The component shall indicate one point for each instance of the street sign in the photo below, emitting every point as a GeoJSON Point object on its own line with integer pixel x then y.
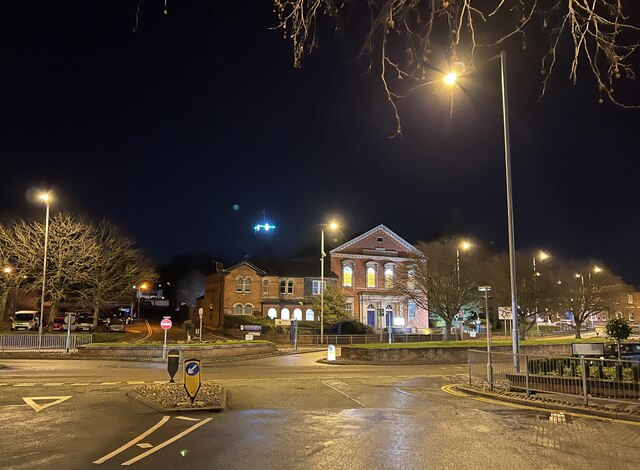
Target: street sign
{"type": "Point", "coordinates": [251, 327]}
{"type": "Point", "coordinates": [248, 337]}
{"type": "Point", "coordinates": [192, 377]}
{"type": "Point", "coordinates": [331, 353]}
{"type": "Point", "coordinates": [504, 313]}
{"type": "Point", "coordinates": [200, 312]}
{"type": "Point", "coordinates": [172, 363]}
{"type": "Point", "coordinates": [165, 324]}
{"type": "Point", "coordinates": [283, 322]}
{"type": "Point", "coordinates": [381, 312]}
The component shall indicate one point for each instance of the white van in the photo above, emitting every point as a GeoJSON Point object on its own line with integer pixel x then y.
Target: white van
{"type": "Point", "coordinates": [25, 320]}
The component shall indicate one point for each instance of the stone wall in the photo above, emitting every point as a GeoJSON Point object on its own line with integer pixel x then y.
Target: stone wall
{"type": "Point", "coordinates": [200, 352]}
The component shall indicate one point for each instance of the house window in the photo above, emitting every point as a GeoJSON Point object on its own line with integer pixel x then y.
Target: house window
{"type": "Point", "coordinates": [248, 309]}
{"type": "Point", "coordinates": [239, 284]}
{"type": "Point", "coordinates": [380, 239]}
{"type": "Point", "coordinates": [629, 298]}
{"type": "Point", "coordinates": [272, 313]}
{"type": "Point", "coordinates": [316, 287]}
{"type": "Point", "coordinates": [371, 277]}
{"type": "Point", "coordinates": [290, 287]}
{"type": "Point", "coordinates": [309, 315]}
{"type": "Point", "coordinates": [411, 282]}
{"type": "Point", "coordinates": [265, 286]}
{"type": "Point", "coordinates": [348, 307]}
{"type": "Point", "coordinates": [347, 276]}
{"type": "Point", "coordinates": [238, 309]}
{"type": "Point", "coordinates": [297, 314]}
{"type": "Point", "coordinates": [284, 314]}
{"type": "Point", "coordinates": [247, 284]}
{"type": "Point", "coordinates": [388, 278]}
{"type": "Point", "coordinates": [283, 287]}
{"type": "Point", "coordinates": [412, 310]}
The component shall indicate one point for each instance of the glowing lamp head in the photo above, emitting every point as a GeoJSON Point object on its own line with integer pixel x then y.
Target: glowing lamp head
{"type": "Point", "coordinates": [450, 79]}
{"type": "Point", "coordinates": [542, 255]}
{"type": "Point", "coordinates": [578, 276]}
{"type": "Point", "coordinates": [7, 270]}
{"type": "Point", "coordinates": [333, 225]}
{"type": "Point", "coordinates": [465, 245]}
{"type": "Point", "coordinates": [143, 286]}
{"type": "Point", "coordinates": [44, 197]}
{"type": "Point", "coordinates": [597, 269]}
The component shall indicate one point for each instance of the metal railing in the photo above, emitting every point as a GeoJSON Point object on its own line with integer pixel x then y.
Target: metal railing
{"type": "Point", "coordinates": [366, 339]}
{"type": "Point", "coordinates": [27, 342]}
{"type": "Point", "coordinates": [585, 377]}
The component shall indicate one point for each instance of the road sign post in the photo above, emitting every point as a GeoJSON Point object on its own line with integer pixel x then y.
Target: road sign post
{"type": "Point", "coordinates": [165, 324]}
{"type": "Point", "coordinates": [200, 312]}
{"type": "Point", "coordinates": [331, 353]}
{"type": "Point", "coordinates": [172, 363]}
{"type": "Point", "coordinates": [68, 318]}
{"type": "Point", "coordinates": [192, 378]}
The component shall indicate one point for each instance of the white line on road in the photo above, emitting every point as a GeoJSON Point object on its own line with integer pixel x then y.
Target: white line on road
{"type": "Point", "coordinates": [342, 393]}
{"type": "Point", "coordinates": [167, 442]}
{"type": "Point", "coordinates": [187, 419]}
{"type": "Point", "coordinates": [132, 441]}
{"type": "Point", "coordinates": [53, 384]}
{"type": "Point", "coordinates": [109, 383]}
{"type": "Point", "coordinates": [136, 382]}
{"type": "Point", "coordinates": [83, 383]}
{"type": "Point", "coordinates": [24, 385]}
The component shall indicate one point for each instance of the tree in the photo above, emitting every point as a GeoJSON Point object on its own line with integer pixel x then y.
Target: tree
{"type": "Point", "coordinates": [619, 330]}
{"type": "Point", "coordinates": [335, 302]}
{"type": "Point", "coordinates": [403, 36]}
{"type": "Point", "coordinates": [431, 279]}
{"type": "Point", "coordinates": [584, 289]}
{"type": "Point", "coordinates": [189, 327]}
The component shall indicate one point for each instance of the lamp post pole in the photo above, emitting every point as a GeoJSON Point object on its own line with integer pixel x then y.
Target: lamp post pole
{"type": "Point", "coordinates": [322, 255]}
{"type": "Point", "coordinates": [45, 198]}
{"type": "Point", "coordinates": [486, 290]}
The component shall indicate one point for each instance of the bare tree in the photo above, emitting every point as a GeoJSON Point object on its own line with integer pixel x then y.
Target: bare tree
{"type": "Point", "coordinates": [401, 35]}
{"type": "Point", "coordinates": [433, 281]}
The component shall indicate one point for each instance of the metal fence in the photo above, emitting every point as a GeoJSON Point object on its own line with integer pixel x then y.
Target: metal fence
{"type": "Point", "coordinates": [366, 339]}
{"type": "Point", "coordinates": [9, 342]}
{"type": "Point", "coordinates": [585, 377]}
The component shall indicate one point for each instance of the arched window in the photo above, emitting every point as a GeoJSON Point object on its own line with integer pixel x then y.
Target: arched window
{"type": "Point", "coordinates": [388, 313]}
{"type": "Point", "coordinates": [309, 315]}
{"type": "Point", "coordinates": [297, 314]}
{"type": "Point", "coordinates": [290, 287]}
{"type": "Point", "coordinates": [239, 284]}
{"type": "Point", "coordinates": [284, 314]}
{"type": "Point", "coordinates": [411, 281]}
{"type": "Point", "coordinates": [371, 277]}
{"type": "Point", "coordinates": [238, 309]}
{"type": "Point", "coordinates": [272, 313]}
{"type": "Point", "coordinates": [412, 310]}
{"type": "Point", "coordinates": [388, 278]}
{"type": "Point", "coordinates": [265, 286]}
{"type": "Point", "coordinates": [247, 284]}
{"type": "Point", "coordinates": [283, 287]}
{"type": "Point", "coordinates": [347, 276]}
{"type": "Point", "coordinates": [248, 309]}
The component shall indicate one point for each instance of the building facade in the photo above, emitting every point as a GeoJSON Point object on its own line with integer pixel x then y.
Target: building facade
{"type": "Point", "coordinates": [367, 270]}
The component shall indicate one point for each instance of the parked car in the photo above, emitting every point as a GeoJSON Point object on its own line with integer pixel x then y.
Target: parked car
{"type": "Point", "coordinates": [84, 322]}
{"type": "Point", "coordinates": [115, 324]}
{"type": "Point", "coordinates": [58, 323]}
{"type": "Point", "coordinates": [25, 320]}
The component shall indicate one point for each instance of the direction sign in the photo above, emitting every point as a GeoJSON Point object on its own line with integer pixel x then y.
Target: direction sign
{"type": "Point", "coordinates": [192, 377]}
{"type": "Point", "coordinates": [173, 362]}
{"type": "Point", "coordinates": [165, 324]}
{"type": "Point", "coordinates": [280, 322]}
{"type": "Point", "coordinates": [504, 313]}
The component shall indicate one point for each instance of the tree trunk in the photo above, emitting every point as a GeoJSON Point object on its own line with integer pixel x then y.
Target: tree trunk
{"type": "Point", "coordinates": [52, 314]}
{"type": "Point", "coordinates": [447, 329]}
{"type": "Point", "coordinates": [578, 326]}
{"type": "Point", "coordinates": [3, 303]}
{"type": "Point", "coordinates": [96, 315]}
{"type": "Point", "coordinates": [522, 328]}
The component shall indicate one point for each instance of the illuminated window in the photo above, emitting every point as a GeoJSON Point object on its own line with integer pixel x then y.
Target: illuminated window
{"type": "Point", "coordinates": [238, 309]}
{"type": "Point", "coordinates": [347, 276]}
{"type": "Point", "coordinates": [388, 278]}
{"type": "Point", "coordinates": [629, 298]}
{"type": "Point", "coordinates": [265, 286]}
{"type": "Point", "coordinates": [309, 315]}
{"type": "Point", "coordinates": [247, 284]}
{"type": "Point", "coordinates": [248, 309]}
{"type": "Point", "coordinates": [239, 284]}
{"type": "Point", "coordinates": [284, 314]}
{"type": "Point", "coordinates": [272, 313]}
{"type": "Point", "coordinates": [371, 277]}
{"type": "Point", "coordinates": [297, 314]}
{"type": "Point", "coordinates": [290, 287]}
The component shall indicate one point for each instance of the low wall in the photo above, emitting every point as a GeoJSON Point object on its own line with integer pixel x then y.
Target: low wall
{"type": "Point", "coordinates": [440, 355]}
{"type": "Point", "coordinates": [201, 352]}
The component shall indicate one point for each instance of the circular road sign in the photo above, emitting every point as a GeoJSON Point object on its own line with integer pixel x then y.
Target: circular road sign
{"type": "Point", "coordinates": [165, 324]}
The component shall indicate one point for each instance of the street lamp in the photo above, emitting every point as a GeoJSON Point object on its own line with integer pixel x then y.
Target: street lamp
{"type": "Point", "coordinates": [450, 79]}
{"type": "Point", "coordinates": [541, 256]}
{"type": "Point", "coordinates": [142, 286]}
{"type": "Point", "coordinates": [486, 290]}
{"type": "Point", "coordinates": [465, 245]}
{"type": "Point", "coordinates": [333, 226]}
{"type": "Point", "coordinates": [46, 198]}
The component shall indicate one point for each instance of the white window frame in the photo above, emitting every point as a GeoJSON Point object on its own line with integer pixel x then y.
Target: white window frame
{"type": "Point", "coordinates": [239, 284]}
{"type": "Point", "coordinates": [309, 314]}
{"type": "Point", "coordinates": [285, 314]}
{"type": "Point", "coordinates": [246, 285]}
{"type": "Point", "coordinates": [297, 314]}
{"type": "Point", "coordinates": [250, 308]}
{"type": "Point", "coordinates": [265, 286]}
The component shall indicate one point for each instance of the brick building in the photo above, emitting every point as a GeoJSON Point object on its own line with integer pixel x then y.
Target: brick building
{"type": "Point", "coordinates": [283, 290]}
{"type": "Point", "coordinates": [367, 268]}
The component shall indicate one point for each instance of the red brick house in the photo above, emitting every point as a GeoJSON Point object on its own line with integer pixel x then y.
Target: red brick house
{"type": "Point", "coordinates": [367, 268]}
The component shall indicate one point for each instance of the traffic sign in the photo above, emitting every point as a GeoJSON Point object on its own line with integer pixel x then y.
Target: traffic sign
{"type": "Point", "coordinates": [504, 313]}
{"type": "Point", "coordinates": [331, 353]}
{"type": "Point", "coordinates": [173, 362]}
{"type": "Point", "coordinates": [165, 324]}
{"type": "Point", "coordinates": [192, 377]}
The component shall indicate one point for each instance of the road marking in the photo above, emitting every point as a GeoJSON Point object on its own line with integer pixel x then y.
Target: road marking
{"type": "Point", "coordinates": [53, 384]}
{"type": "Point", "coordinates": [406, 393]}
{"type": "Point", "coordinates": [133, 441]}
{"type": "Point", "coordinates": [136, 382]}
{"type": "Point", "coordinates": [167, 442]}
{"type": "Point", "coordinates": [108, 383]}
{"type": "Point", "coordinates": [342, 393]}
{"type": "Point", "coordinates": [3, 384]}
{"type": "Point", "coordinates": [149, 332]}
{"type": "Point", "coordinates": [83, 383]}
{"type": "Point", "coordinates": [31, 402]}
{"type": "Point", "coordinates": [24, 385]}
{"type": "Point", "coordinates": [160, 382]}
{"type": "Point", "coordinates": [449, 389]}
{"type": "Point", "coordinates": [144, 445]}
{"type": "Point", "coordinates": [187, 419]}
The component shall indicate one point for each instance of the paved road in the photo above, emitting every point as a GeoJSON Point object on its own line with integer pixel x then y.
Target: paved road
{"type": "Point", "coordinates": [290, 412]}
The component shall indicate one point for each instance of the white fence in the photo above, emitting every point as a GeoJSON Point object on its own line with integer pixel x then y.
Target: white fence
{"type": "Point", "coordinates": [29, 342]}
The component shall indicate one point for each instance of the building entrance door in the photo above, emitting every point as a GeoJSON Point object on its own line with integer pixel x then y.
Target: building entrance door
{"type": "Point", "coordinates": [371, 317]}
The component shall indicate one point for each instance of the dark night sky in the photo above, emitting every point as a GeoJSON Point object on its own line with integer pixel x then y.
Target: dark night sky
{"type": "Point", "coordinates": [162, 131]}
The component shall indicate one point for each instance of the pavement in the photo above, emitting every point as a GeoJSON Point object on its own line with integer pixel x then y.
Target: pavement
{"type": "Point", "coordinates": [289, 412]}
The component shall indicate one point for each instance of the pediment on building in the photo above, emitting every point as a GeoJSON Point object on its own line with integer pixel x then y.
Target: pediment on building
{"type": "Point", "coordinates": [379, 241]}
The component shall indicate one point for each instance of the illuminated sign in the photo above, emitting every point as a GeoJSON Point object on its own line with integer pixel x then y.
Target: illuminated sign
{"type": "Point", "coordinates": [264, 228]}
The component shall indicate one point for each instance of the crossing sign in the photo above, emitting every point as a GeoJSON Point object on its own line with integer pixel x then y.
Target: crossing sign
{"type": "Point", "coordinates": [192, 377]}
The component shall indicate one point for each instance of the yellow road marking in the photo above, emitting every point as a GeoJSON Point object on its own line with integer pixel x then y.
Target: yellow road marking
{"type": "Point", "coordinates": [132, 441]}
{"type": "Point", "coordinates": [109, 383]}
{"type": "Point", "coordinates": [449, 389]}
{"type": "Point", "coordinates": [136, 382]}
{"type": "Point", "coordinates": [24, 385]}
{"type": "Point", "coordinates": [53, 384]}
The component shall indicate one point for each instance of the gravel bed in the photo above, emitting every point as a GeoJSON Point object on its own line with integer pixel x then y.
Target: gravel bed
{"type": "Point", "coordinates": [170, 396]}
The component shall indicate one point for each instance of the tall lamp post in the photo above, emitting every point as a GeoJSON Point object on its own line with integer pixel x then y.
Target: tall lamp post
{"type": "Point", "coordinates": [450, 80]}
{"type": "Point", "coordinates": [465, 245]}
{"type": "Point", "coordinates": [141, 287]}
{"type": "Point", "coordinates": [542, 256]}
{"type": "Point", "coordinates": [486, 290]}
{"type": "Point", "coordinates": [331, 226]}
{"type": "Point", "coordinates": [44, 197]}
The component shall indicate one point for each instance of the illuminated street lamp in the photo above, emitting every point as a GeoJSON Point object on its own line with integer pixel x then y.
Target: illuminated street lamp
{"type": "Point", "coordinates": [541, 256]}
{"type": "Point", "coordinates": [142, 286]}
{"type": "Point", "coordinates": [7, 270]}
{"type": "Point", "coordinates": [464, 246]}
{"type": "Point", "coordinates": [333, 226]}
{"type": "Point", "coordinates": [450, 80]}
{"type": "Point", "coordinates": [46, 198]}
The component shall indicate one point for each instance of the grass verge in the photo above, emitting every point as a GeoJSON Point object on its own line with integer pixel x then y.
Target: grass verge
{"type": "Point", "coordinates": [473, 343]}
{"type": "Point", "coordinates": [156, 344]}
